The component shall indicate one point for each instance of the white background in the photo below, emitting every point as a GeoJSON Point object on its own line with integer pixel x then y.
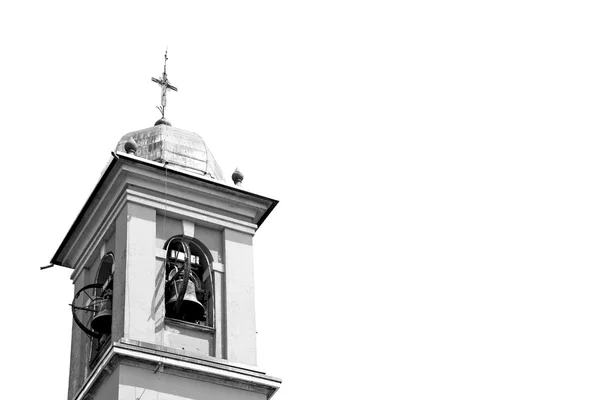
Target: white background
{"type": "Point", "coordinates": [437, 165]}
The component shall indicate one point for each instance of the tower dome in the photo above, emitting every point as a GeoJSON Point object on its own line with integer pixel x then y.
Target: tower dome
{"type": "Point", "coordinates": [164, 143]}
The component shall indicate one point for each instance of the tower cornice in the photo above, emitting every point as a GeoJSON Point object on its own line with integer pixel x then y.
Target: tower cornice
{"type": "Point", "coordinates": [165, 360]}
{"type": "Point", "coordinates": [171, 190]}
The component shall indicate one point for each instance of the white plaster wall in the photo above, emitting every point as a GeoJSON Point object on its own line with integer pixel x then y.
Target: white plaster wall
{"type": "Point", "coordinates": [240, 325]}
{"type": "Point", "coordinates": [139, 314]}
{"type": "Point", "coordinates": [188, 339]}
{"type": "Point", "coordinates": [137, 383]}
{"type": "Point", "coordinates": [212, 239]}
{"type": "Point", "coordinates": [119, 282]}
{"type": "Point", "coordinates": [166, 228]}
{"type": "Point", "coordinates": [109, 389]}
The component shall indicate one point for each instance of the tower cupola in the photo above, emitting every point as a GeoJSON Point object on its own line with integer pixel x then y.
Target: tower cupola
{"type": "Point", "coordinates": [166, 144]}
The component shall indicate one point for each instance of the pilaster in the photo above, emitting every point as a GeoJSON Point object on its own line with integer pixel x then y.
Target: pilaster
{"type": "Point", "coordinates": [139, 321]}
{"type": "Point", "coordinates": [239, 305]}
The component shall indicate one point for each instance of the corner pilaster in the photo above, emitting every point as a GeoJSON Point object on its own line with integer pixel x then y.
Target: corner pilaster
{"type": "Point", "coordinates": [239, 303]}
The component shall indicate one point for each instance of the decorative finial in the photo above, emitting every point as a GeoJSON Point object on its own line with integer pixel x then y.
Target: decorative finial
{"type": "Point", "coordinates": [131, 146]}
{"type": "Point", "coordinates": [165, 85]}
{"type": "Point", "coordinates": [237, 177]}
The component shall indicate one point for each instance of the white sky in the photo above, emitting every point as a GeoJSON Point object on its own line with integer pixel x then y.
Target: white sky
{"type": "Point", "coordinates": [437, 164]}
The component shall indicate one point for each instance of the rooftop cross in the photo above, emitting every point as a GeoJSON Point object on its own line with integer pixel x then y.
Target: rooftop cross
{"type": "Point", "coordinates": [165, 85]}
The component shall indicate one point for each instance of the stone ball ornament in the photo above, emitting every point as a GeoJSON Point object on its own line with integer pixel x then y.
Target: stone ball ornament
{"type": "Point", "coordinates": [130, 146]}
{"type": "Point", "coordinates": [237, 177]}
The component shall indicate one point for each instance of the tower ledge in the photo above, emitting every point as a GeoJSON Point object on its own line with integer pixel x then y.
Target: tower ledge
{"type": "Point", "coordinates": [163, 360]}
{"type": "Point", "coordinates": [231, 206]}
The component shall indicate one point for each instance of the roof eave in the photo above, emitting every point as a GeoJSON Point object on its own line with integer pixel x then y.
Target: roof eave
{"type": "Point", "coordinates": [57, 259]}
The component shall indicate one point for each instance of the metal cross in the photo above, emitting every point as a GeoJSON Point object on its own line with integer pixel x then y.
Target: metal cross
{"type": "Point", "coordinates": [165, 85]}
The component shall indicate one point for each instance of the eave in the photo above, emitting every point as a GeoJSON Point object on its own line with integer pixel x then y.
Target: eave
{"type": "Point", "coordinates": [118, 161]}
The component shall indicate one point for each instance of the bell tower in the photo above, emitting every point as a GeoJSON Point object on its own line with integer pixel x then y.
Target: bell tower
{"type": "Point", "coordinates": [162, 260]}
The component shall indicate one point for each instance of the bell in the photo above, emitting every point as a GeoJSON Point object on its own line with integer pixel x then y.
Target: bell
{"type": "Point", "coordinates": [191, 309]}
{"type": "Point", "coordinates": [102, 321]}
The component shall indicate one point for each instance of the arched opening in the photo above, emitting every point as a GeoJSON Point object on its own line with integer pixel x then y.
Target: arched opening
{"type": "Point", "coordinates": [101, 320]}
{"type": "Point", "coordinates": [189, 281]}
{"type": "Point", "coordinates": [105, 270]}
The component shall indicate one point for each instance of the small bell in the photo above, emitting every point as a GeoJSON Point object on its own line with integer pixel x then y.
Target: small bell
{"type": "Point", "coordinates": [102, 321]}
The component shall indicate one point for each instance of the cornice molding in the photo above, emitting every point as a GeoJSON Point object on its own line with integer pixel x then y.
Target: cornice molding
{"type": "Point", "coordinates": [188, 197]}
{"type": "Point", "coordinates": [215, 371]}
{"type": "Point", "coordinates": [194, 214]}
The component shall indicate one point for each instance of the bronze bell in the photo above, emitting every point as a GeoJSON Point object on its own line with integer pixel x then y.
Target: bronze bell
{"type": "Point", "coordinates": [191, 309]}
{"type": "Point", "coordinates": [102, 321]}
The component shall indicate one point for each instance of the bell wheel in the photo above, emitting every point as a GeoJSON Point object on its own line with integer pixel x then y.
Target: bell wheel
{"type": "Point", "coordinates": [83, 307]}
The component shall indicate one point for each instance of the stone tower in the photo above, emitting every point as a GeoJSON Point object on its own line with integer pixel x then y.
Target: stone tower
{"type": "Point", "coordinates": [163, 274]}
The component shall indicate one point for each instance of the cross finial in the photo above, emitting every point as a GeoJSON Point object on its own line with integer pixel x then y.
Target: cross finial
{"type": "Point", "coordinates": [165, 85]}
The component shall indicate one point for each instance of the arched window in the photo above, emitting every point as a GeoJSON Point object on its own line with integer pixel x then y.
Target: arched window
{"type": "Point", "coordinates": [92, 308]}
{"type": "Point", "coordinates": [105, 271]}
{"type": "Point", "coordinates": [101, 320]}
{"type": "Point", "coordinates": [189, 281]}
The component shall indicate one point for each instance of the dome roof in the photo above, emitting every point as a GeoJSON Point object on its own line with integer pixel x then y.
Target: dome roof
{"type": "Point", "coordinates": [163, 143]}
